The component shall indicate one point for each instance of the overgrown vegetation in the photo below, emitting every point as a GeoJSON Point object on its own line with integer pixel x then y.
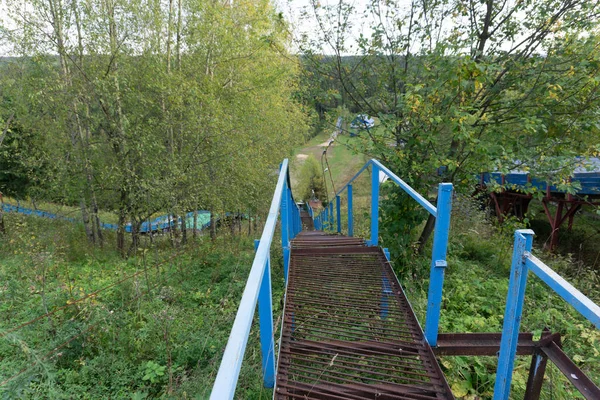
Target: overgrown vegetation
{"type": "Point", "coordinates": [475, 296]}
{"type": "Point", "coordinates": [139, 108]}
{"type": "Point", "coordinates": [118, 111]}
{"type": "Point", "coordinates": [151, 326]}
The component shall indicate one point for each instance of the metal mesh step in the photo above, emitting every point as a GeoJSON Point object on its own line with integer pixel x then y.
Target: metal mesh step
{"type": "Point", "coordinates": [348, 329]}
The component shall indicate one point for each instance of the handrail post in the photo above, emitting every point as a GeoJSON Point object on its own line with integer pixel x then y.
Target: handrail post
{"type": "Point", "coordinates": [331, 215]}
{"type": "Point", "coordinates": [293, 214]}
{"type": "Point", "coordinates": [512, 314]}
{"type": "Point", "coordinates": [265, 316]}
{"type": "Point", "coordinates": [438, 262]}
{"type": "Point", "coordinates": [350, 215]}
{"type": "Point", "coordinates": [374, 205]}
{"type": "Point", "coordinates": [285, 235]}
{"type": "Point", "coordinates": [338, 214]}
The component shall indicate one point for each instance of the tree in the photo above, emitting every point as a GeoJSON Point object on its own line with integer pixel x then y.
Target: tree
{"type": "Point", "coordinates": [166, 106]}
{"type": "Point", "coordinates": [311, 184]}
{"type": "Point", "coordinates": [472, 86]}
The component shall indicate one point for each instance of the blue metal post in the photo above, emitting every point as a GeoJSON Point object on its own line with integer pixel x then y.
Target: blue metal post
{"type": "Point", "coordinates": [512, 314]}
{"type": "Point", "coordinates": [438, 262]}
{"type": "Point", "coordinates": [294, 215]}
{"type": "Point", "coordinates": [290, 214]}
{"type": "Point", "coordinates": [285, 234]}
{"type": "Point", "coordinates": [338, 214]}
{"type": "Point", "coordinates": [326, 218]}
{"type": "Point", "coordinates": [350, 215]}
{"type": "Point", "coordinates": [386, 289]}
{"type": "Point", "coordinates": [265, 316]}
{"type": "Point", "coordinates": [374, 205]}
{"type": "Point", "coordinates": [331, 215]}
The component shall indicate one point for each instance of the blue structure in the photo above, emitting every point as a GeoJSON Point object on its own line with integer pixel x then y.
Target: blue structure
{"type": "Point", "coordinates": [522, 263]}
{"type": "Point", "coordinates": [158, 224]}
{"type": "Point", "coordinates": [514, 196]}
{"type": "Point", "coordinates": [586, 175]}
{"type": "Point", "coordinates": [258, 290]}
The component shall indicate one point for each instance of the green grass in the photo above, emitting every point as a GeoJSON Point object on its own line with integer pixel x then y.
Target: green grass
{"type": "Point", "coordinates": [475, 291]}
{"type": "Point", "coordinates": [61, 210]}
{"type": "Point", "coordinates": [175, 315]}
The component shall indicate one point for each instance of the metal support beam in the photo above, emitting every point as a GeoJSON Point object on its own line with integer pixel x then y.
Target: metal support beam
{"type": "Point", "coordinates": [512, 315]}
{"type": "Point", "coordinates": [265, 317]}
{"type": "Point", "coordinates": [350, 213]}
{"type": "Point", "coordinates": [438, 262]}
{"type": "Point", "coordinates": [338, 214]}
{"type": "Point", "coordinates": [374, 205]}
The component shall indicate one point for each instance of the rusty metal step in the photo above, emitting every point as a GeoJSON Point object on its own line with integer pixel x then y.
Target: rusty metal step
{"type": "Point", "coordinates": [348, 329]}
{"type": "Point", "coordinates": [307, 221]}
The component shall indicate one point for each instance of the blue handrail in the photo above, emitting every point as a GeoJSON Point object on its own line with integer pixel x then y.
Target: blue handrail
{"type": "Point", "coordinates": [523, 262]}
{"type": "Point", "coordinates": [440, 237]}
{"type": "Point", "coordinates": [258, 288]}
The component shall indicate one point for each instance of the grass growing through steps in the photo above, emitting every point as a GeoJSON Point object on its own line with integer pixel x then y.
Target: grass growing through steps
{"type": "Point", "coordinates": [153, 326]}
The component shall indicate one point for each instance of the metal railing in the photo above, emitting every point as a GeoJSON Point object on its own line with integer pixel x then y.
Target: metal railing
{"type": "Point", "coordinates": [258, 289]}
{"type": "Point", "coordinates": [325, 220]}
{"type": "Point", "coordinates": [523, 262]}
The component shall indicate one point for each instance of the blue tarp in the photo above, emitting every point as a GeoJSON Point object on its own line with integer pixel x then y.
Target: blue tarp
{"type": "Point", "coordinates": [586, 173]}
{"type": "Point", "coordinates": [157, 224]}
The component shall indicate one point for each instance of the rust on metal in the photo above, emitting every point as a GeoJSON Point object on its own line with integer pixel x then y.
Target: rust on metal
{"type": "Point", "coordinates": [307, 221]}
{"type": "Point", "coordinates": [349, 331]}
{"type": "Point", "coordinates": [479, 344]}
{"type": "Point", "coordinates": [571, 371]}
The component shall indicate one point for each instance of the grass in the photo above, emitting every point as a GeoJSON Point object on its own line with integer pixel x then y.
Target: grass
{"type": "Point", "coordinates": [152, 326]}
{"type": "Point", "coordinates": [344, 163]}
{"type": "Point", "coordinates": [162, 333]}
{"type": "Point", "coordinates": [475, 291]}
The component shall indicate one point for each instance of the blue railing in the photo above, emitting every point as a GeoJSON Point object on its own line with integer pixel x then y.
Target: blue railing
{"type": "Point", "coordinates": [258, 289]}
{"type": "Point", "coordinates": [325, 220]}
{"type": "Point", "coordinates": [523, 262]}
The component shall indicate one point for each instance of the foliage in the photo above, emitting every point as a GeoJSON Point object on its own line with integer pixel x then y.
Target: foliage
{"type": "Point", "coordinates": [139, 108]}
{"type": "Point", "coordinates": [158, 334]}
{"type": "Point", "coordinates": [475, 296]}
{"type": "Point", "coordinates": [468, 86]}
{"type": "Point", "coordinates": [310, 185]}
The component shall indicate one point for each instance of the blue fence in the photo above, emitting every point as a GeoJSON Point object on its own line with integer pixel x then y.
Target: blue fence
{"type": "Point", "coordinates": [522, 263]}
{"type": "Point", "coordinates": [258, 289]}
{"type": "Point", "coordinates": [442, 212]}
{"type": "Point", "coordinates": [161, 223]}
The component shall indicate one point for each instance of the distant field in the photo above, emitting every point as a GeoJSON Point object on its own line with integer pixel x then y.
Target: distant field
{"type": "Point", "coordinates": [344, 163]}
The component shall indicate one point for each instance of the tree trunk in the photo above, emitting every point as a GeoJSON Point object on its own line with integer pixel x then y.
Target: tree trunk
{"type": "Point", "coordinates": [213, 226]}
{"type": "Point", "coordinates": [96, 220]}
{"type": "Point", "coordinates": [184, 229]}
{"type": "Point", "coordinates": [135, 236]}
{"type": "Point", "coordinates": [2, 227]}
{"type": "Point", "coordinates": [176, 231]}
{"type": "Point", "coordinates": [195, 231]}
{"type": "Point", "coordinates": [121, 224]}
{"type": "Point", "coordinates": [427, 230]}
{"type": "Point", "coordinates": [89, 230]}
{"type": "Point", "coordinates": [121, 233]}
